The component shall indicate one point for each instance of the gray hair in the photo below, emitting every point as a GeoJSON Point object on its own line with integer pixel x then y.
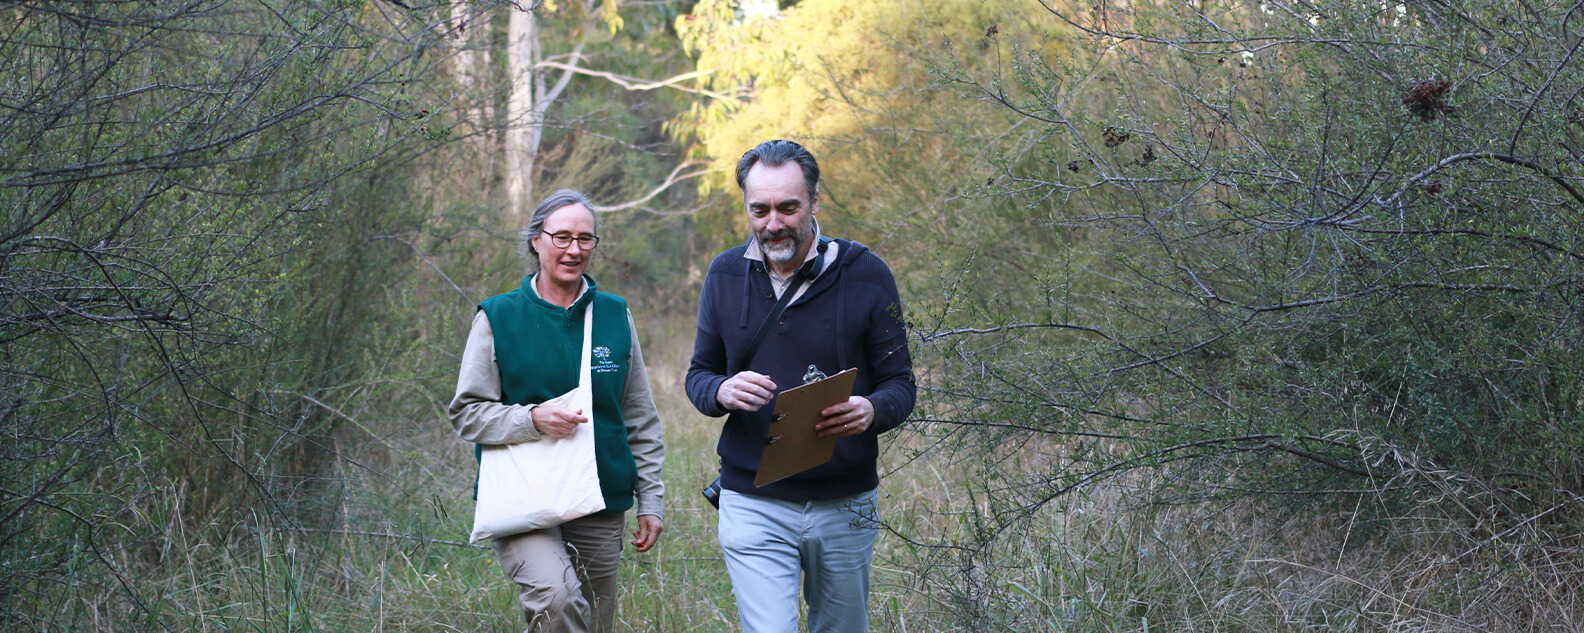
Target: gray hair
{"type": "Point", "coordinates": [551, 204]}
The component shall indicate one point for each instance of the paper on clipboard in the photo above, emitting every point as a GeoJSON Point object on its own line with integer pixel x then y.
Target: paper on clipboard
{"type": "Point", "coordinates": [791, 446]}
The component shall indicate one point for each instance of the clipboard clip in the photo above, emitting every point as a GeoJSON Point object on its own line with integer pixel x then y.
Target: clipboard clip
{"type": "Point", "coordinates": [772, 439]}
{"type": "Point", "coordinates": [813, 375]}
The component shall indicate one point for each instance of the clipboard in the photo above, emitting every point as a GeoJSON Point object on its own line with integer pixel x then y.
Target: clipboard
{"type": "Point", "coordinates": [791, 445]}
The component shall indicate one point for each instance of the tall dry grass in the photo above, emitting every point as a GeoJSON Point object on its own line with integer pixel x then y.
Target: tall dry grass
{"type": "Point", "coordinates": [386, 551]}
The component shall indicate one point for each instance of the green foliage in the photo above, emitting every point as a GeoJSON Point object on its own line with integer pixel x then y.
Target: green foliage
{"type": "Point", "coordinates": [1226, 317]}
{"type": "Point", "coordinates": [240, 249]}
{"type": "Point", "coordinates": [1299, 253]}
{"type": "Point", "coordinates": [607, 138]}
{"type": "Point", "coordinates": [194, 262]}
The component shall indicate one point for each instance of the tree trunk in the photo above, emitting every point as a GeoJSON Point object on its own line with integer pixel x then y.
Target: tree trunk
{"type": "Point", "coordinates": [524, 120]}
{"type": "Point", "coordinates": [531, 97]}
{"type": "Point", "coordinates": [471, 71]}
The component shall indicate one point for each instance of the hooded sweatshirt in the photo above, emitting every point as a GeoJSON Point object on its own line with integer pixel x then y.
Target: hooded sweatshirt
{"type": "Point", "coordinates": [849, 317]}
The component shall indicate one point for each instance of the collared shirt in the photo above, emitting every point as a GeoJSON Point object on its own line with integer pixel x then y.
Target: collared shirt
{"type": "Point", "coordinates": [778, 283]}
{"type": "Point", "coordinates": [582, 287]}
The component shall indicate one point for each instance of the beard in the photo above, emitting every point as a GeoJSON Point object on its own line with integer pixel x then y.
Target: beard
{"type": "Point", "coordinates": [784, 252]}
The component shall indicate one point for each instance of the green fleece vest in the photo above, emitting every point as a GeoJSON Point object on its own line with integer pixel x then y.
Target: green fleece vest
{"type": "Point", "coordinates": [539, 346]}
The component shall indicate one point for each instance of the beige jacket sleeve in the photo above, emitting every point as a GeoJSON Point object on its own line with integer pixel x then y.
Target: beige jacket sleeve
{"type": "Point", "coordinates": [477, 411]}
{"type": "Point", "coordinates": [480, 417]}
{"type": "Point", "coordinates": [645, 432]}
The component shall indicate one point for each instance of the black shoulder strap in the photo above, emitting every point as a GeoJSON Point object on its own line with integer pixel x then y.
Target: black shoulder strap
{"type": "Point", "coordinates": [807, 271]}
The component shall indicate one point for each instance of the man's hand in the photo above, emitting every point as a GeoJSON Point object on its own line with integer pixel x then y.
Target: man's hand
{"type": "Point", "coordinates": [848, 418]}
{"type": "Point", "coordinates": [746, 391]}
{"type": "Point", "coordinates": [649, 527]}
{"type": "Point", "coordinates": [557, 422]}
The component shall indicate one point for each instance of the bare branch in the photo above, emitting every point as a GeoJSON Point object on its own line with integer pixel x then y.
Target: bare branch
{"type": "Point", "coordinates": [1007, 328]}
{"type": "Point", "coordinates": [1467, 156]}
{"type": "Point", "coordinates": [636, 84]}
{"type": "Point", "coordinates": [676, 176]}
{"type": "Point", "coordinates": [393, 536]}
{"type": "Point", "coordinates": [428, 262]}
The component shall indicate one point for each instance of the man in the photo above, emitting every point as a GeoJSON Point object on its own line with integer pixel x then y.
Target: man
{"type": "Point", "coordinates": [845, 313]}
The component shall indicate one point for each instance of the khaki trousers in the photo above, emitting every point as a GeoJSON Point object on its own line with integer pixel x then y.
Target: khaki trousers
{"type": "Point", "coordinates": [566, 575]}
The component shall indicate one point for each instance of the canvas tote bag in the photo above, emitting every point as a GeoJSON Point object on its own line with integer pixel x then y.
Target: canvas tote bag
{"type": "Point", "coordinates": [535, 485]}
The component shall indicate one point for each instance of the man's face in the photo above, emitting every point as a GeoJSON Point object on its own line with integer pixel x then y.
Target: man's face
{"type": "Point", "coordinates": [780, 211]}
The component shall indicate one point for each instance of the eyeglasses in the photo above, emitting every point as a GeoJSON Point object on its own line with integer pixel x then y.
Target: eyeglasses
{"type": "Point", "coordinates": [564, 240]}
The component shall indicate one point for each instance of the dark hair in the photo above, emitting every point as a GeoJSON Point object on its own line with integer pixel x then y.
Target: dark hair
{"type": "Point", "coordinates": [777, 153]}
{"type": "Point", "coordinates": [551, 204]}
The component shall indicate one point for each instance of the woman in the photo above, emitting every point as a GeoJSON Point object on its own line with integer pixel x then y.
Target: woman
{"type": "Point", "coordinates": [525, 348]}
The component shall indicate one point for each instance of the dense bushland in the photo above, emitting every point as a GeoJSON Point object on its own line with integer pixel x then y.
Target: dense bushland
{"type": "Point", "coordinates": [239, 246]}
{"type": "Point", "coordinates": [1296, 260]}
{"type": "Point", "coordinates": [1238, 316]}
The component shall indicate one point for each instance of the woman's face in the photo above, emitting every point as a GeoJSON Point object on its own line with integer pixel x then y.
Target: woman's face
{"type": "Point", "coordinates": [564, 266]}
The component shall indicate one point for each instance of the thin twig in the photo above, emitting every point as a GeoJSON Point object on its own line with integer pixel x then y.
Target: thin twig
{"type": "Point", "coordinates": [400, 537]}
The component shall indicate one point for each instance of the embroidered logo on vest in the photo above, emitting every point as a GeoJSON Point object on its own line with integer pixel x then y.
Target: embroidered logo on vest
{"type": "Point", "coordinates": [604, 366]}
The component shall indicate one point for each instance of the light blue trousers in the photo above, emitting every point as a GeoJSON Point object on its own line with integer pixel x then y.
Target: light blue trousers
{"type": "Point", "coordinates": [768, 542]}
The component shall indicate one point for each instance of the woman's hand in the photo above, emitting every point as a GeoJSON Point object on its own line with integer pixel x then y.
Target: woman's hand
{"type": "Point", "coordinates": [649, 527]}
{"type": "Point", "coordinates": [557, 422]}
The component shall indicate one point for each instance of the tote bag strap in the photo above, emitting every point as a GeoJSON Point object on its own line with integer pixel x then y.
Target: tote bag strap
{"type": "Point", "coordinates": [584, 382]}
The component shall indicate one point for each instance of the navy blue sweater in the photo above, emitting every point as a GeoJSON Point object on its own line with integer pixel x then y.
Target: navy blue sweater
{"type": "Point", "coordinates": [850, 316]}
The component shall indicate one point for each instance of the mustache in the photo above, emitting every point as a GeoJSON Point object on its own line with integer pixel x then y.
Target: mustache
{"type": "Point", "coordinates": [776, 235]}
